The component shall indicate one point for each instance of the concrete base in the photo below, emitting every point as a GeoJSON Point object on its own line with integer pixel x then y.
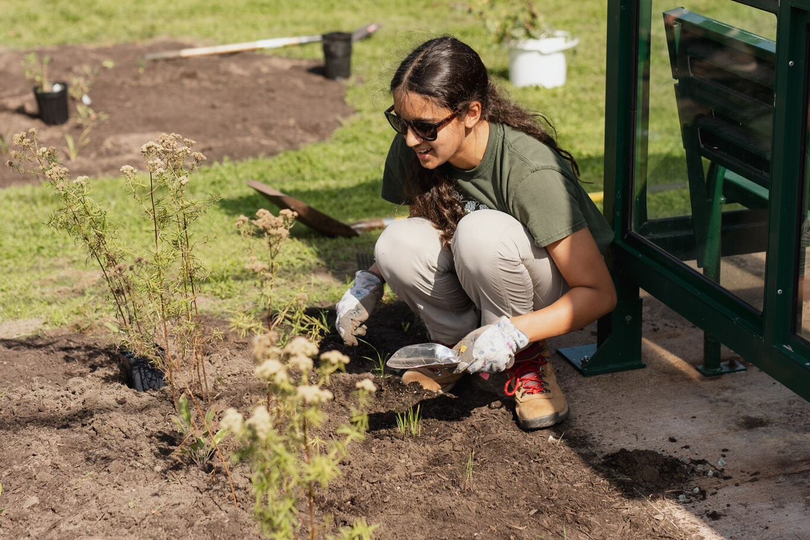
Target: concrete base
{"type": "Point", "coordinates": [755, 425]}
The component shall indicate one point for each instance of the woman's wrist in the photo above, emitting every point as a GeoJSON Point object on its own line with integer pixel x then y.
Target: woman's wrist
{"type": "Point", "coordinates": [376, 271]}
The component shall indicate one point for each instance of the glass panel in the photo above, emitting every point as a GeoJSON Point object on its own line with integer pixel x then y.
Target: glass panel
{"type": "Point", "coordinates": [703, 130]}
{"type": "Point", "coordinates": [802, 288]}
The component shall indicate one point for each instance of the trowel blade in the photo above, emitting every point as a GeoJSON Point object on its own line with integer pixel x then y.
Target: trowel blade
{"type": "Point", "coordinates": [422, 355]}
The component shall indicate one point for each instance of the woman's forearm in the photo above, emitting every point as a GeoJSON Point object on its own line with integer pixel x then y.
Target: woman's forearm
{"type": "Point", "coordinates": [575, 309]}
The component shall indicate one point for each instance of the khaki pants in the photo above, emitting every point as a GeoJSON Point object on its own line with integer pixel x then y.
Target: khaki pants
{"type": "Point", "coordinates": [491, 269]}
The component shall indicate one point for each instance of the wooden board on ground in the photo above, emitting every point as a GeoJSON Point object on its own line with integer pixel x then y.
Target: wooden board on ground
{"type": "Point", "coordinates": [306, 214]}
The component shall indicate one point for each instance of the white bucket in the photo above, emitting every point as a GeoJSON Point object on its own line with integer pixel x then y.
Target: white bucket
{"type": "Point", "coordinates": [540, 62]}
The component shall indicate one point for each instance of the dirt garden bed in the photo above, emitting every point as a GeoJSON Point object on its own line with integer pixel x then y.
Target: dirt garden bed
{"type": "Point", "coordinates": [239, 106]}
{"type": "Point", "coordinates": [84, 456]}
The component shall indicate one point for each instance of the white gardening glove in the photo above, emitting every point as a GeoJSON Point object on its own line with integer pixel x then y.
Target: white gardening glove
{"type": "Point", "coordinates": [356, 306]}
{"type": "Point", "coordinates": [491, 348]}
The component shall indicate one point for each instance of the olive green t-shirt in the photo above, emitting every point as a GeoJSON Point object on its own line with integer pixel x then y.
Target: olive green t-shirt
{"type": "Point", "coordinates": [518, 175]}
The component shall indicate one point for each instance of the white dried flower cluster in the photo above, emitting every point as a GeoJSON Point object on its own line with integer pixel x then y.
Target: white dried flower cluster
{"type": "Point", "coordinates": [264, 346]}
{"type": "Point", "coordinates": [314, 394]}
{"type": "Point", "coordinates": [241, 221]}
{"type": "Point", "coordinates": [156, 166]}
{"type": "Point", "coordinates": [232, 421]}
{"type": "Point", "coordinates": [301, 346]}
{"type": "Point", "coordinates": [151, 149]}
{"type": "Point", "coordinates": [301, 363]}
{"type": "Point", "coordinates": [272, 371]}
{"type": "Point", "coordinates": [277, 227]}
{"type": "Point", "coordinates": [57, 173]}
{"type": "Point", "coordinates": [260, 421]}
{"type": "Point", "coordinates": [335, 357]}
{"type": "Point", "coordinates": [128, 171]}
{"type": "Point", "coordinates": [256, 265]}
{"type": "Point", "coordinates": [366, 385]}
{"type": "Point", "coordinates": [81, 180]}
{"type": "Point", "coordinates": [20, 139]}
{"type": "Point", "coordinates": [170, 153]}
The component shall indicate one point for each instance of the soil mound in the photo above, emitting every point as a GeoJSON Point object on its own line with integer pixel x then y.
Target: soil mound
{"type": "Point", "coordinates": [648, 470]}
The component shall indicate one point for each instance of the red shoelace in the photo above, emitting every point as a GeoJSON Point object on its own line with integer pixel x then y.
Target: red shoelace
{"type": "Point", "coordinates": [527, 375]}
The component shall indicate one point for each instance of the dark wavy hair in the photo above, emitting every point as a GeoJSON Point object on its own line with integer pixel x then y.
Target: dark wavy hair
{"type": "Point", "coordinates": [452, 74]}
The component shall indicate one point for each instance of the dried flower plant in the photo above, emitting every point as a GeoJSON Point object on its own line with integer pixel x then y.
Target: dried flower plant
{"type": "Point", "coordinates": [155, 294]}
{"type": "Point", "coordinates": [291, 317]}
{"type": "Point", "coordinates": [280, 443]}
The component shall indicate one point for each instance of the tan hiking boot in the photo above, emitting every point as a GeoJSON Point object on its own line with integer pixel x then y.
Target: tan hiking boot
{"type": "Point", "coordinates": [539, 401]}
{"type": "Point", "coordinates": [432, 379]}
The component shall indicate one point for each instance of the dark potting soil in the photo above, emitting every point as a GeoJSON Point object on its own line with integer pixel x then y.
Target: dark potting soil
{"type": "Point", "coordinates": [84, 455]}
{"type": "Point", "coordinates": [240, 106]}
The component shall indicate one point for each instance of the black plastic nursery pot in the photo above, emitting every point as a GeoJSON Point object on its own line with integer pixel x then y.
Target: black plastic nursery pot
{"type": "Point", "coordinates": [140, 373]}
{"type": "Point", "coordinates": [337, 53]}
{"type": "Point", "coordinates": [53, 106]}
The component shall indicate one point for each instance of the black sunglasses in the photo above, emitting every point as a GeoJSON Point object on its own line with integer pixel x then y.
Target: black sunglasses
{"type": "Point", "coordinates": [427, 131]}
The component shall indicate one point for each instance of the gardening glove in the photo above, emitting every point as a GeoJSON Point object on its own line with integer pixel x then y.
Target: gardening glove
{"type": "Point", "coordinates": [356, 306]}
{"type": "Point", "coordinates": [490, 348]}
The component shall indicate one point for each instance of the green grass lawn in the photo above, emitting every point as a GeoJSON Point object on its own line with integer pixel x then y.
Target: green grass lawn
{"type": "Point", "coordinates": [42, 274]}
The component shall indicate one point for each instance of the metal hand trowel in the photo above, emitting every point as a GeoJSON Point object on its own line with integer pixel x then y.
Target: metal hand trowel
{"type": "Point", "coordinates": [422, 355]}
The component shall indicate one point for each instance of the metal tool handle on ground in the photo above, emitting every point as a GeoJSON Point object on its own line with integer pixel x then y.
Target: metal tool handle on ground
{"type": "Point", "coordinates": [423, 355]}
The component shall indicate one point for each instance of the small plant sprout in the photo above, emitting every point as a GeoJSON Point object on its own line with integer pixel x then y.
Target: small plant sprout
{"type": "Point", "coordinates": [468, 470]}
{"type": "Point", "coordinates": [87, 119]}
{"type": "Point", "coordinates": [378, 362]}
{"type": "Point", "coordinates": [409, 423]}
{"type": "Point", "coordinates": [198, 441]}
{"type": "Point", "coordinates": [281, 441]}
{"type": "Point", "coordinates": [36, 71]}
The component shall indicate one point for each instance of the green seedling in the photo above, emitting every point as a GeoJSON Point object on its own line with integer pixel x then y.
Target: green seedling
{"type": "Point", "coordinates": [378, 362]}
{"type": "Point", "coordinates": [199, 444]}
{"type": "Point", "coordinates": [410, 423]}
{"type": "Point", "coordinates": [468, 470]}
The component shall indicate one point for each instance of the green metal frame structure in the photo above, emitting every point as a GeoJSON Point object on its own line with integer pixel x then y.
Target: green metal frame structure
{"type": "Point", "coordinates": [768, 339]}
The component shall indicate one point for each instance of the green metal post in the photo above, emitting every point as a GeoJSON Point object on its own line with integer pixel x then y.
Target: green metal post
{"type": "Point", "coordinates": [619, 333]}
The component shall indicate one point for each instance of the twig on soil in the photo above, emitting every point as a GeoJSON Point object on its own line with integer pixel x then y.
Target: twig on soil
{"type": "Point", "coordinates": [660, 511]}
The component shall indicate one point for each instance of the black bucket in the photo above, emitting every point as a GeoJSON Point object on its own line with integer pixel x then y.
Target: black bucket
{"type": "Point", "coordinates": [53, 106]}
{"type": "Point", "coordinates": [337, 53]}
{"type": "Point", "coordinates": [141, 374]}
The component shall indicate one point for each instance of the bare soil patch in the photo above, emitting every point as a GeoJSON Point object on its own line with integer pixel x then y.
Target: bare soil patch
{"type": "Point", "coordinates": [241, 105]}
{"type": "Point", "coordinates": [86, 456]}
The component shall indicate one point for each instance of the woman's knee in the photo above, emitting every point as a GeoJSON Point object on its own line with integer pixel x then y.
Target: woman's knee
{"type": "Point", "coordinates": [486, 238]}
{"type": "Point", "coordinates": [406, 245]}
